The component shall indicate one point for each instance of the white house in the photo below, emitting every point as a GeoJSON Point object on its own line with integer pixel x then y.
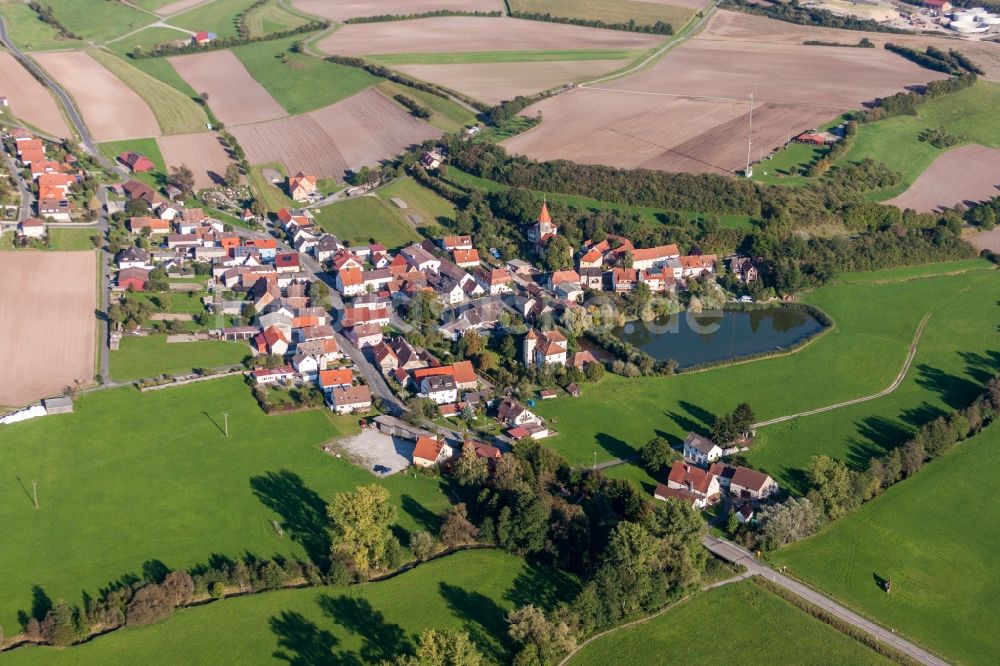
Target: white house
{"type": "Point", "coordinates": [701, 450]}
{"type": "Point", "coordinates": [348, 399]}
{"type": "Point", "coordinates": [439, 388]}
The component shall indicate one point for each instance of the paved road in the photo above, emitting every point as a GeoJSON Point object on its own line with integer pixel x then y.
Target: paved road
{"type": "Point", "coordinates": [733, 553]}
{"type": "Point", "coordinates": [881, 394]}
{"type": "Point", "coordinates": [24, 211]}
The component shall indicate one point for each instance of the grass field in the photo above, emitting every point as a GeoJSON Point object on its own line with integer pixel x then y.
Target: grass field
{"type": "Point", "coordinates": [953, 362]}
{"type": "Point", "coordinates": [935, 537]}
{"type": "Point", "coordinates": [147, 147]}
{"type": "Point", "coordinates": [272, 18]}
{"type": "Point", "coordinates": [620, 11]}
{"type": "Point", "coordinates": [131, 478]}
{"type": "Point", "coordinates": [502, 56]}
{"type": "Point", "coordinates": [274, 198]}
{"type": "Point", "coordinates": [756, 623]}
{"type": "Point", "coordinates": [28, 32]}
{"type": "Point", "coordinates": [776, 170]}
{"type": "Point", "coordinates": [969, 114]}
{"type": "Point", "coordinates": [446, 115]}
{"type": "Point", "coordinates": [300, 83]}
{"type": "Point", "coordinates": [145, 39]}
{"type": "Point", "coordinates": [60, 239]}
{"type": "Point", "coordinates": [653, 216]}
{"type": "Point", "coordinates": [150, 355]}
{"type": "Point", "coordinates": [219, 16]}
{"type": "Point", "coordinates": [357, 220]}
{"type": "Point", "coordinates": [860, 356]}
{"type": "Point", "coordinates": [99, 20]}
{"type": "Point", "coordinates": [471, 591]}
{"type": "Point", "coordinates": [175, 112]}
{"type": "Point", "coordinates": [186, 302]}
{"type": "Point", "coordinates": [426, 203]}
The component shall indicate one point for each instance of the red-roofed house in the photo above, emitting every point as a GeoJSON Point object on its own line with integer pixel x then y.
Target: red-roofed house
{"type": "Point", "coordinates": [286, 262]}
{"type": "Point", "coordinates": [31, 228]}
{"type": "Point", "coordinates": [272, 375]}
{"type": "Point", "coordinates": [133, 279]}
{"type": "Point", "coordinates": [653, 257]}
{"type": "Point", "coordinates": [202, 37]}
{"type": "Point", "coordinates": [271, 341]}
{"type": "Point", "coordinates": [694, 481]}
{"type": "Point", "coordinates": [428, 451]}
{"type": "Point", "coordinates": [300, 186]}
{"type": "Point", "coordinates": [135, 162]}
{"type": "Point", "coordinates": [154, 224]}
{"type": "Point", "coordinates": [347, 399]}
{"type": "Point", "coordinates": [695, 265]}
{"type": "Point", "coordinates": [335, 378]}
{"type": "Point", "coordinates": [466, 258]}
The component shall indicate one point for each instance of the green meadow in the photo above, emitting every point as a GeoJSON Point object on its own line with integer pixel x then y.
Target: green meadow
{"type": "Point", "coordinates": [150, 356]}
{"type": "Point", "coordinates": [755, 624]}
{"type": "Point", "coordinates": [935, 537]}
{"type": "Point", "coordinates": [99, 20]}
{"type": "Point", "coordinates": [431, 207]}
{"type": "Point", "coordinates": [134, 478]}
{"type": "Point", "coordinates": [356, 220]}
{"type": "Point", "coordinates": [874, 325]}
{"type": "Point", "coordinates": [470, 591]}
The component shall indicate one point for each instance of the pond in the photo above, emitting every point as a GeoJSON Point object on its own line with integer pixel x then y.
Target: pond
{"type": "Point", "coordinates": [705, 338]}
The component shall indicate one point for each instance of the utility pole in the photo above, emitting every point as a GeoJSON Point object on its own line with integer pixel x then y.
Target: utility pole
{"type": "Point", "coordinates": [748, 173]}
{"type": "Point", "coordinates": [34, 489]}
{"type": "Point", "coordinates": [226, 417]}
{"type": "Point", "coordinates": [595, 461]}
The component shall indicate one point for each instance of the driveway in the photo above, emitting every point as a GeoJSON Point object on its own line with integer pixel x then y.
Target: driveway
{"type": "Point", "coordinates": [370, 448]}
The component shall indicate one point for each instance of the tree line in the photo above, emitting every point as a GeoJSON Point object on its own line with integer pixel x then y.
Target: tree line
{"type": "Point", "coordinates": [385, 18]}
{"type": "Point", "coordinates": [951, 62]}
{"type": "Point", "coordinates": [46, 15]}
{"type": "Point", "coordinates": [657, 28]}
{"type": "Point", "coordinates": [386, 73]}
{"type": "Point", "coordinates": [417, 109]}
{"type": "Point", "coordinates": [165, 49]}
{"type": "Point", "coordinates": [793, 12]}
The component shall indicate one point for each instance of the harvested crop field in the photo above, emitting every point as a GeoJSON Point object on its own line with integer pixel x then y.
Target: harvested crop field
{"type": "Point", "coordinates": [234, 95]}
{"type": "Point", "coordinates": [178, 6]}
{"type": "Point", "coordinates": [47, 302]}
{"type": "Point", "coordinates": [737, 26]}
{"type": "Point", "coordinates": [986, 240]}
{"type": "Point", "coordinates": [463, 34]}
{"type": "Point", "coordinates": [497, 81]}
{"type": "Point", "coordinates": [202, 153]}
{"type": "Point", "coordinates": [30, 100]}
{"type": "Point", "coordinates": [963, 175]}
{"type": "Point", "coordinates": [111, 109]}
{"type": "Point", "coordinates": [358, 131]}
{"type": "Point", "coordinates": [689, 111]}
{"type": "Point", "coordinates": [338, 11]}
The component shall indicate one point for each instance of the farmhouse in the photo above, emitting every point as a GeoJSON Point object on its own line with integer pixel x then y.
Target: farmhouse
{"type": "Point", "coordinates": [701, 450]}
{"type": "Point", "coordinates": [429, 451]}
{"type": "Point", "coordinates": [135, 162]}
{"type": "Point", "coordinates": [300, 186]}
{"type": "Point", "coordinates": [202, 37]}
{"type": "Point", "coordinates": [751, 484]}
{"type": "Point", "coordinates": [691, 484]}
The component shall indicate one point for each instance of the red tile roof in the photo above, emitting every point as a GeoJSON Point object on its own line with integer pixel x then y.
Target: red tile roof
{"type": "Point", "coordinates": [427, 449]}
{"type": "Point", "coordinates": [694, 477]}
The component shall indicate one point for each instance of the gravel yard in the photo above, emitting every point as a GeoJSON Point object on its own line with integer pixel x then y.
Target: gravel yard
{"type": "Point", "coordinates": [371, 447]}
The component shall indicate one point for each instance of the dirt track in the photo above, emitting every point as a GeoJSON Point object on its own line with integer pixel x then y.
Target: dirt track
{"type": "Point", "coordinates": [110, 108]}
{"type": "Point", "coordinates": [688, 112]}
{"type": "Point", "coordinates": [496, 81]}
{"type": "Point", "coordinates": [47, 302]}
{"type": "Point", "coordinates": [29, 100]}
{"type": "Point", "coordinates": [962, 175]}
{"type": "Point", "coordinates": [234, 95]}
{"type": "Point", "coordinates": [345, 9]}
{"type": "Point", "coordinates": [355, 132]}
{"type": "Point", "coordinates": [458, 34]}
{"type": "Point", "coordinates": [202, 153]}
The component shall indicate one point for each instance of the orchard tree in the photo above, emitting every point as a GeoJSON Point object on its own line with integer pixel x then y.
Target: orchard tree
{"type": "Point", "coordinates": [361, 523]}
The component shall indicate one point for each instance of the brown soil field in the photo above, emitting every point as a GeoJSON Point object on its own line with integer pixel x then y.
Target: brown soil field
{"type": "Point", "coordinates": [234, 95]}
{"type": "Point", "coordinates": [202, 153]}
{"type": "Point", "coordinates": [175, 7]}
{"type": "Point", "coordinates": [460, 34]}
{"type": "Point", "coordinates": [47, 302]}
{"type": "Point", "coordinates": [963, 175]}
{"type": "Point", "coordinates": [30, 100]}
{"type": "Point", "coordinates": [986, 240]}
{"type": "Point", "coordinates": [688, 112]}
{"type": "Point", "coordinates": [338, 10]}
{"type": "Point", "coordinates": [737, 26]}
{"type": "Point", "coordinates": [693, 4]}
{"type": "Point", "coordinates": [110, 108]}
{"type": "Point", "coordinates": [496, 81]}
{"type": "Point", "coordinates": [358, 131]}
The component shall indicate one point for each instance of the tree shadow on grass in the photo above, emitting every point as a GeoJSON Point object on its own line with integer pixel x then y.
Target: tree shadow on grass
{"type": "Point", "coordinates": [614, 446]}
{"type": "Point", "coordinates": [704, 417]}
{"type": "Point", "coordinates": [381, 641]}
{"type": "Point", "coordinates": [484, 619]}
{"type": "Point", "coordinates": [423, 517]}
{"type": "Point", "coordinates": [918, 416]}
{"type": "Point", "coordinates": [302, 510]}
{"type": "Point", "coordinates": [687, 424]}
{"type": "Point", "coordinates": [41, 604]}
{"type": "Point", "coordinates": [542, 586]}
{"type": "Point", "coordinates": [981, 367]}
{"type": "Point", "coordinates": [303, 643]}
{"type": "Point", "coordinates": [876, 435]}
{"type": "Point", "coordinates": [955, 391]}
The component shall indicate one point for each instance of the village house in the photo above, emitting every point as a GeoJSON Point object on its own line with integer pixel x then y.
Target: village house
{"type": "Point", "coordinates": [690, 484]}
{"type": "Point", "coordinates": [154, 225]}
{"type": "Point", "coordinates": [202, 37]}
{"type": "Point", "coordinates": [364, 335]}
{"type": "Point", "coordinates": [350, 282]}
{"type": "Point", "coordinates": [135, 162]}
{"type": "Point", "coordinates": [466, 258]}
{"type": "Point", "coordinates": [431, 159]}
{"type": "Point", "coordinates": [349, 399]}
{"type": "Point", "coordinates": [623, 280]}
{"type": "Point", "coordinates": [701, 450]}
{"type": "Point", "coordinates": [744, 269]}
{"type": "Point", "coordinates": [494, 281]}
{"type": "Point", "coordinates": [439, 388]}
{"type": "Point", "coordinates": [271, 340]}
{"type": "Point", "coordinates": [654, 257]}
{"type": "Point", "coordinates": [420, 259]}
{"type": "Point", "coordinates": [697, 265]}
{"type": "Point", "coordinates": [452, 243]}
{"type": "Point", "coordinates": [132, 257]}
{"type": "Point", "coordinates": [428, 451]}
{"type": "Point", "coordinates": [750, 484]}
{"type": "Point", "coordinates": [31, 228]}
{"type": "Point", "coordinates": [300, 186]}
{"type": "Point", "coordinates": [273, 375]}
{"type": "Point", "coordinates": [514, 414]}
{"type": "Point", "coordinates": [335, 378]}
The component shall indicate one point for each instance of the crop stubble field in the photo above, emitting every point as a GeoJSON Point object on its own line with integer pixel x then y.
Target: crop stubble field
{"type": "Point", "coordinates": [339, 11]}
{"type": "Point", "coordinates": [234, 95]}
{"type": "Point", "coordinates": [689, 111]}
{"type": "Point", "coordinates": [961, 175]}
{"type": "Point", "coordinates": [458, 34]}
{"type": "Point", "coordinates": [112, 110]}
{"type": "Point", "coordinates": [201, 152]}
{"type": "Point", "coordinates": [358, 131]}
{"type": "Point", "coordinates": [28, 99]}
{"type": "Point", "coordinates": [47, 302]}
